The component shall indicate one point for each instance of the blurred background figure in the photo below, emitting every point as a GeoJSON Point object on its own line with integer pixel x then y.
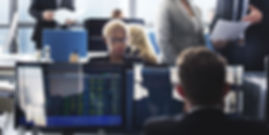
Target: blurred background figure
{"type": "Point", "coordinates": [43, 12]}
{"type": "Point", "coordinates": [117, 14]}
{"type": "Point", "coordinates": [115, 34]}
{"type": "Point", "coordinates": [179, 27]}
{"type": "Point", "coordinates": [139, 42]}
{"type": "Point", "coordinates": [252, 49]}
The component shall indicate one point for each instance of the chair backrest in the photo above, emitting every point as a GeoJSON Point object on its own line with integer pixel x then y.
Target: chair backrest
{"type": "Point", "coordinates": [160, 101]}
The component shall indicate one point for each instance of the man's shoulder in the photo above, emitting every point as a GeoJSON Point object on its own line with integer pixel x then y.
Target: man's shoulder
{"type": "Point", "coordinates": [248, 125]}
{"type": "Point", "coordinates": [163, 125]}
{"type": "Point", "coordinates": [193, 124]}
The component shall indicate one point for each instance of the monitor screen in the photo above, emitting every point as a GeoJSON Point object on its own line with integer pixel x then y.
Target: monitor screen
{"type": "Point", "coordinates": [79, 96]}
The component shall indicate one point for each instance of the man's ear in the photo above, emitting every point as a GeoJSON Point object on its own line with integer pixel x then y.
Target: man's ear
{"type": "Point", "coordinates": [180, 91]}
{"type": "Point", "coordinates": [226, 89]}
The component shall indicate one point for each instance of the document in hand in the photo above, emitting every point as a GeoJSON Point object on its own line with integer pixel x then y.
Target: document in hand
{"type": "Point", "coordinates": [62, 15]}
{"type": "Point", "coordinates": [228, 30]}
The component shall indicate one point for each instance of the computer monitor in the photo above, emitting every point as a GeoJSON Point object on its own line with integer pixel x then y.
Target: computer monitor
{"type": "Point", "coordinates": [63, 43]}
{"type": "Point", "coordinates": [100, 104]}
{"type": "Point", "coordinates": [94, 26]}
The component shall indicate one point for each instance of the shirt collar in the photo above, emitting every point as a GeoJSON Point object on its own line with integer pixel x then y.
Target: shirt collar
{"type": "Point", "coordinates": [203, 107]}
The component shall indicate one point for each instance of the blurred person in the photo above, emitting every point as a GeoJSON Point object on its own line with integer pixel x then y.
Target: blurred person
{"type": "Point", "coordinates": [115, 34]}
{"type": "Point", "coordinates": [117, 14]}
{"type": "Point", "coordinates": [203, 88]}
{"type": "Point", "coordinates": [179, 27]}
{"type": "Point", "coordinates": [251, 50]}
{"type": "Point", "coordinates": [43, 12]}
{"type": "Point", "coordinates": [140, 42]}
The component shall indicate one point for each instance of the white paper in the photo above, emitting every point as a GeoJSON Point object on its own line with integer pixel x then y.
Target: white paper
{"type": "Point", "coordinates": [175, 81]}
{"type": "Point", "coordinates": [228, 30]}
{"type": "Point", "coordinates": [140, 92]}
{"type": "Point", "coordinates": [62, 15]}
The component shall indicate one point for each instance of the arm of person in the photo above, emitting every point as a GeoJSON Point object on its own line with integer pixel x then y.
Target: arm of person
{"type": "Point", "coordinates": [35, 10]}
{"type": "Point", "coordinates": [40, 14]}
{"type": "Point", "coordinates": [260, 7]}
{"type": "Point", "coordinates": [72, 5]}
{"type": "Point", "coordinates": [255, 16]}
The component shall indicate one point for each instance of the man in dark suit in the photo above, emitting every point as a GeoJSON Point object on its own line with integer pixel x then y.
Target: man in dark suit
{"type": "Point", "coordinates": [203, 87]}
{"type": "Point", "coordinates": [43, 12]}
{"type": "Point", "coordinates": [254, 48]}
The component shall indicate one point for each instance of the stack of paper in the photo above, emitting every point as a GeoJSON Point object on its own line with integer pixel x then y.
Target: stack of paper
{"type": "Point", "coordinates": [62, 15]}
{"type": "Point", "coordinates": [228, 30]}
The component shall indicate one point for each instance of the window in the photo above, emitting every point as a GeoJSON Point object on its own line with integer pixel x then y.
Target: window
{"type": "Point", "coordinates": [148, 10]}
{"type": "Point", "coordinates": [25, 42]}
{"type": "Point", "coordinates": [207, 8]}
{"type": "Point", "coordinates": [24, 6]}
{"type": "Point", "coordinates": [4, 12]}
{"type": "Point", "coordinates": [4, 20]}
{"type": "Point", "coordinates": [3, 33]}
{"type": "Point", "coordinates": [100, 8]}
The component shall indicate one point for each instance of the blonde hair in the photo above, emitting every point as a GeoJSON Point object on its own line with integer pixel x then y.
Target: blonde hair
{"type": "Point", "coordinates": [139, 40]}
{"type": "Point", "coordinates": [113, 25]}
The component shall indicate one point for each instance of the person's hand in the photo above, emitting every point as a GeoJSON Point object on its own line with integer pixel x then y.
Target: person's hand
{"type": "Point", "coordinates": [48, 15]}
{"type": "Point", "coordinates": [70, 22]}
{"type": "Point", "coordinates": [241, 42]}
{"type": "Point", "coordinates": [255, 16]}
{"type": "Point", "coordinates": [219, 44]}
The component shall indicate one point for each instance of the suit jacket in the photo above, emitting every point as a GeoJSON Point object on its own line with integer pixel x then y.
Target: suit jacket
{"type": "Point", "coordinates": [37, 8]}
{"type": "Point", "coordinates": [204, 122]}
{"type": "Point", "coordinates": [176, 30]}
{"type": "Point", "coordinates": [252, 53]}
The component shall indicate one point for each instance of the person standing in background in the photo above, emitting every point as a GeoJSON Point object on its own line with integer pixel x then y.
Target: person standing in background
{"type": "Point", "coordinates": [179, 27]}
{"type": "Point", "coordinates": [252, 49]}
{"type": "Point", "coordinates": [43, 12]}
{"type": "Point", "coordinates": [117, 14]}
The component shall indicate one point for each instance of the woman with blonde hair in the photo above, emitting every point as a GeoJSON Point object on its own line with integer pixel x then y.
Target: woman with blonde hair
{"type": "Point", "coordinates": [139, 41]}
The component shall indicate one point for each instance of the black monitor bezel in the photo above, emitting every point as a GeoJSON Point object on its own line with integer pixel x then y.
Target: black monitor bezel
{"type": "Point", "coordinates": [266, 66]}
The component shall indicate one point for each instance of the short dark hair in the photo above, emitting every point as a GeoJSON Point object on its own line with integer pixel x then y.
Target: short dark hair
{"type": "Point", "coordinates": [202, 75]}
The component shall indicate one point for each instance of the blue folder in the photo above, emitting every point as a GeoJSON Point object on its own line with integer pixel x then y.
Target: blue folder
{"type": "Point", "coordinates": [63, 43]}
